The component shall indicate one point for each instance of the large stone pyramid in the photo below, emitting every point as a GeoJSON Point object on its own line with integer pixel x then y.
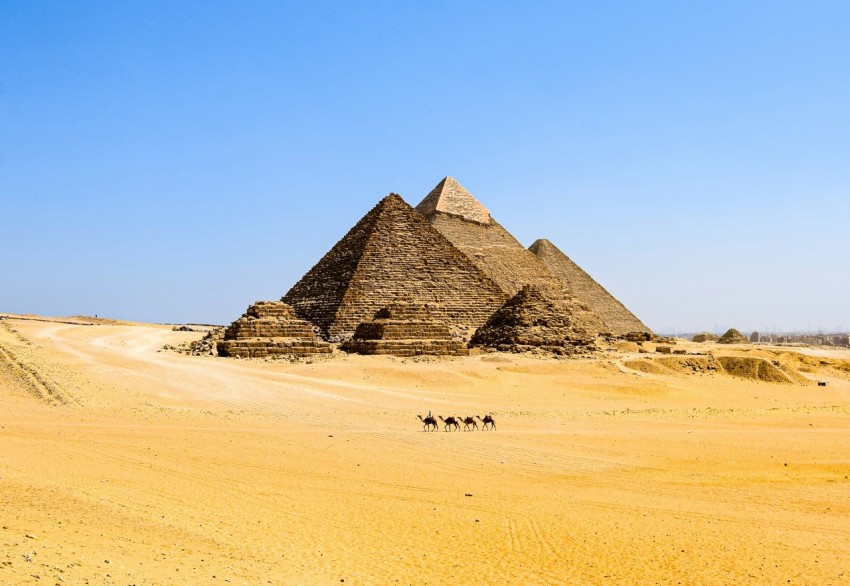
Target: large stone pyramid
{"type": "Point", "coordinates": [453, 211]}
{"type": "Point", "coordinates": [618, 320]}
{"type": "Point", "coordinates": [393, 253]}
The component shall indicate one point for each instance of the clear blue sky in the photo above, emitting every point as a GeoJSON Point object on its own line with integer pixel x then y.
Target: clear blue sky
{"type": "Point", "coordinates": [175, 161]}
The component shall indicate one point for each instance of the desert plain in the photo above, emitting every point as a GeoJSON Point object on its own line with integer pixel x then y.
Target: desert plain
{"type": "Point", "coordinates": [123, 463]}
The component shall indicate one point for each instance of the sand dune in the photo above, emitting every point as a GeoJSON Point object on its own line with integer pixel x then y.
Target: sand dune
{"type": "Point", "coordinates": [124, 464]}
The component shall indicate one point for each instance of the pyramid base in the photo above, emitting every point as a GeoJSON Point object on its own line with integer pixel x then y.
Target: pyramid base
{"type": "Point", "coordinates": [265, 347]}
{"type": "Point", "coordinates": [407, 347]}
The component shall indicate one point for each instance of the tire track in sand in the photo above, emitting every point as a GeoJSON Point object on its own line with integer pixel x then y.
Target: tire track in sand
{"type": "Point", "coordinates": [31, 378]}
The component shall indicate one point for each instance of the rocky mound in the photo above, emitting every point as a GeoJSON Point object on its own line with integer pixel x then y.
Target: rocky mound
{"type": "Point", "coordinates": [529, 320]}
{"type": "Point", "coordinates": [705, 337]}
{"type": "Point", "coordinates": [753, 368]}
{"type": "Point", "coordinates": [270, 328]}
{"type": "Point", "coordinates": [404, 329]}
{"type": "Point", "coordinates": [733, 336]}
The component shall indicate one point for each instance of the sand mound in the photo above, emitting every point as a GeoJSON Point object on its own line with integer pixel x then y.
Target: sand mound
{"type": "Point", "coordinates": [704, 337]}
{"type": "Point", "coordinates": [690, 364]}
{"type": "Point", "coordinates": [646, 365]}
{"type": "Point", "coordinates": [624, 346]}
{"type": "Point", "coordinates": [753, 368]}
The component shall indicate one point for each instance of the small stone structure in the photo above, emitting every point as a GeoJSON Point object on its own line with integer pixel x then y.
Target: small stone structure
{"type": "Point", "coordinates": [404, 329]}
{"type": "Point", "coordinates": [704, 337]}
{"type": "Point", "coordinates": [733, 336]}
{"type": "Point", "coordinates": [530, 320]}
{"type": "Point", "coordinates": [271, 328]}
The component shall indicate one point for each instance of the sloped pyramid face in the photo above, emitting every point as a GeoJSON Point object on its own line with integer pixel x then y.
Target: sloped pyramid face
{"type": "Point", "coordinates": [531, 319]}
{"type": "Point", "coordinates": [392, 253]}
{"type": "Point", "coordinates": [456, 214]}
{"type": "Point", "coordinates": [617, 319]}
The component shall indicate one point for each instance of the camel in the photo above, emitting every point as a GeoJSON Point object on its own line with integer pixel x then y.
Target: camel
{"type": "Point", "coordinates": [450, 421]}
{"type": "Point", "coordinates": [429, 422]}
{"type": "Point", "coordinates": [469, 421]}
{"type": "Point", "coordinates": [488, 420]}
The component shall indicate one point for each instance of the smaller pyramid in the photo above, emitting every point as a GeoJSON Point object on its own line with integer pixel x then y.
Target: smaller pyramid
{"type": "Point", "coordinates": [270, 328]}
{"type": "Point", "coordinates": [704, 337]}
{"type": "Point", "coordinates": [531, 320]}
{"type": "Point", "coordinates": [618, 320]}
{"type": "Point", "coordinates": [733, 336]}
{"type": "Point", "coordinates": [450, 197]}
{"type": "Point", "coordinates": [404, 329]}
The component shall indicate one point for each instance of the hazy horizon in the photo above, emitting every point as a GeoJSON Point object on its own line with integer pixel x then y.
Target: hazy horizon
{"type": "Point", "coordinates": [175, 163]}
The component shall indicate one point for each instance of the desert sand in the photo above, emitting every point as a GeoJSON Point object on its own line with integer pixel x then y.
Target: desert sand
{"type": "Point", "coordinates": [121, 463]}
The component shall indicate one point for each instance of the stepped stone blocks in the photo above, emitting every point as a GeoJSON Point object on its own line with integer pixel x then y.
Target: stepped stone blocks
{"type": "Point", "coordinates": [271, 328]}
{"type": "Point", "coordinates": [531, 320]}
{"type": "Point", "coordinates": [393, 253]}
{"type": "Point", "coordinates": [455, 213]}
{"type": "Point", "coordinates": [617, 319]}
{"type": "Point", "coordinates": [404, 329]}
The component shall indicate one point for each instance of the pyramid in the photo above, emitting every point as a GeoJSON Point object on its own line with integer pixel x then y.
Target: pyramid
{"type": "Point", "coordinates": [455, 213]}
{"type": "Point", "coordinates": [404, 329]}
{"type": "Point", "coordinates": [733, 336]}
{"type": "Point", "coordinates": [270, 328]}
{"type": "Point", "coordinates": [531, 320]}
{"type": "Point", "coordinates": [617, 319]}
{"type": "Point", "coordinates": [392, 253]}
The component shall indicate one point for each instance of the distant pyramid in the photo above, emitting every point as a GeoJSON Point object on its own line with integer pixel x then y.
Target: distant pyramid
{"type": "Point", "coordinates": [453, 211]}
{"type": "Point", "coordinates": [531, 320]}
{"type": "Point", "coordinates": [733, 336]}
{"type": "Point", "coordinates": [393, 253]}
{"type": "Point", "coordinates": [618, 320]}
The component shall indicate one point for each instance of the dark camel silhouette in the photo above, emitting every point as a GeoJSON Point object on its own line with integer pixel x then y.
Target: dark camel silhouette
{"type": "Point", "coordinates": [469, 422]}
{"type": "Point", "coordinates": [429, 422]}
{"type": "Point", "coordinates": [450, 421]}
{"type": "Point", "coordinates": [488, 420]}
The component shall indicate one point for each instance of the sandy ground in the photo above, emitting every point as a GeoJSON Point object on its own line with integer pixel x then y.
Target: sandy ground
{"type": "Point", "coordinates": [123, 464]}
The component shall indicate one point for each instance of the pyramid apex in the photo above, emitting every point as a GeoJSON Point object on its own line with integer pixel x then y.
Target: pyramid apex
{"type": "Point", "coordinates": [450, 197]}
{"type": "Point", "coordinates": [394, 197]}
{"type": "Point", "coordinates": [540, 242]}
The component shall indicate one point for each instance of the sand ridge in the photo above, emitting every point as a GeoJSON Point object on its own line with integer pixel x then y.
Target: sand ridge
{"type": "Point", "coordinates": [161, 468]}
